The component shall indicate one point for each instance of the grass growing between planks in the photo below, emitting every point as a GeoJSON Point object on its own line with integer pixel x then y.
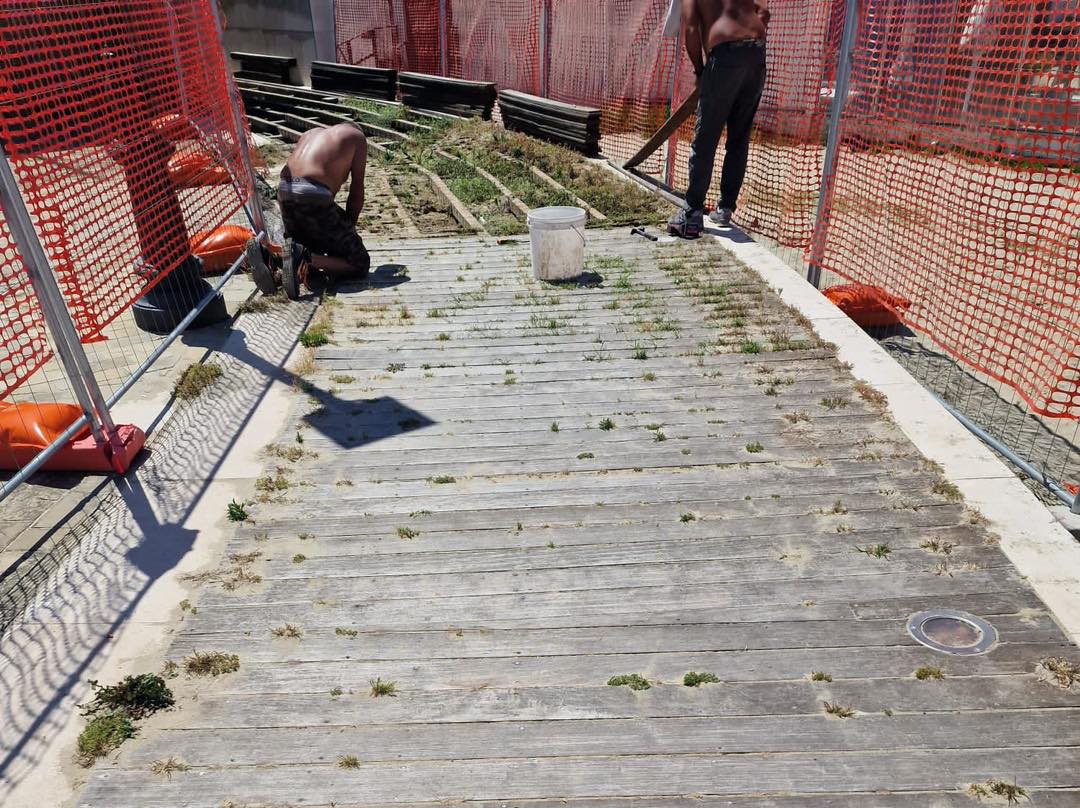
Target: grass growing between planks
{"type": "Point", "coordinates": [695, 679]}
{"type": "Point", "coordinates": [509, 156]}
{"type": "Point", "coordinates": [1010, 792]}
{"type": "Point", "coordinates": [380, 688]}
{"type": "Point", "coordinates": [212, 663]}
{"type": "Point", "coordinates": [1058, 671]}
{"type": "Point", "coordinates": [634, 681]}
{"type": "Point", "coordinates": [167, 766]}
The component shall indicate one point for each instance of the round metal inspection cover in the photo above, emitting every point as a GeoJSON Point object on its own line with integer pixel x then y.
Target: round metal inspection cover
{"type": "Point", "coordinates": [952, 632]}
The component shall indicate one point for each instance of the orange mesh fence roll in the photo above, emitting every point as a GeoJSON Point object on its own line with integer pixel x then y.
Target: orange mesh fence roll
{"type": "Point", "coordinates": [100, 100]}
{"type": "Point", "coordinates": [23, 344]}
{"type": "Point", "coordinates": [956, 185]}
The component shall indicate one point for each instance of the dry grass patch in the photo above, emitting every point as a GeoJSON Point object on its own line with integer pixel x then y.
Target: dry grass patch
{"type": "Point", "coordinates": [194, 381]}
{"type": "Point", "coordinates": [167, 766]}
{"type": "Point", "coordinates": [838, 710]}
{"type": "Point", "coordinates": [1058, 671]}
{"type": "Point", "coordinates": [212, 663]}
{"type": "Point", "coordinates": [288, 631]}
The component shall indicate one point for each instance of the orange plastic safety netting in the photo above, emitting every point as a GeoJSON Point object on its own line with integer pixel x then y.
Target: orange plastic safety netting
{"type": "Point", "coordinates": [118, 125]}
{"type": "Point", "coordinates": [613, 55]}
{"type": "Point", "coordinates": [397, 34]}
{"type": "Point", "coordinates": [956, 185]}
{"type": "Point", "coordinates": [24, 347]}
{"type": "Point", "coordinates": [496, 42]}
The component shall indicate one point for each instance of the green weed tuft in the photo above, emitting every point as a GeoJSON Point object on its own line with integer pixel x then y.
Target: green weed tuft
{"type": "Point", "coordinates": [634, 681]}
{"type": "Point", "coordinates": [381, 688]}
{"type": "Point", "coordinates": [134, 696]}
{"type": "Point", "coordinates": [102, 735]}
{"type": "Point", "coordinates": [237, 512]}
{"type": "Point", "coordinates": [693, 679]}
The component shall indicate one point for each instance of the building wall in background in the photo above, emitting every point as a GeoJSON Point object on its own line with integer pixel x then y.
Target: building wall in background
{"type": "Point", "coordinates": [300, 28]}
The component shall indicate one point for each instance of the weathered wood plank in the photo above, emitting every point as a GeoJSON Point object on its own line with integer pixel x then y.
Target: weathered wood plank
{"type": "Point", "coordinates": [590, 670]}
{"type": "Point", "coordinates": [451, 609]}
{"type": "Point", "coordinates": [507, 740]}
{"type": "Point", "coordinates": [901, 695]}
{"type": "Point", "coordinates": [321, 643]}
{"type": "Point", "coordinates": [596, 777]}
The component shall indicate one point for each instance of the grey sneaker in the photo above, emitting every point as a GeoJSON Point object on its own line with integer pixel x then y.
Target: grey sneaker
{"type": "Point", "coordinates": [722, 216]}
{"type": "Point", "coordinates": [686, 223]}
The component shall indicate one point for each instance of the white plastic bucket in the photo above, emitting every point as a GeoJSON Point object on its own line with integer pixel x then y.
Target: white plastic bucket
{"type": "Point", "coordinates": [557, 236]}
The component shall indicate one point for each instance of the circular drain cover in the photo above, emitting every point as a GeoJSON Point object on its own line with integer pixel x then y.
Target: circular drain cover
{"type": "Point", "coordinates": [952, 632]}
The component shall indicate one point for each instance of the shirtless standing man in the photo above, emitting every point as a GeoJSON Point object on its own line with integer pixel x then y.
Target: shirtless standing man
{"type": "Point", "coordinates": [726, 43]}
{"type": "Point", "coordinates": [322, 237]}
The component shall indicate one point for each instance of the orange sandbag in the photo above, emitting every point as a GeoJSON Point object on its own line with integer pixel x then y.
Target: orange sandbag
{"type": "Point", "coordinates": [869, 306]}
{"type": "Point", "coordinates": [194, 169]}
{"type": "Point", "coordinates": [220, 247]}
{"type": "Point", "coordinates": [27, 428]}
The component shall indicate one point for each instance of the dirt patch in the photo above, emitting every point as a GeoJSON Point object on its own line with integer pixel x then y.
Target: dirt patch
{"type": "Point", "coordinates": [427, 208]}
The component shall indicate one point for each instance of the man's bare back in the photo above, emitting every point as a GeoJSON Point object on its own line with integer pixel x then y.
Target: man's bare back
{"type": "Point", "coordinates": [329, 155]}
{"type": "Point", "coordinates": [722, 21]}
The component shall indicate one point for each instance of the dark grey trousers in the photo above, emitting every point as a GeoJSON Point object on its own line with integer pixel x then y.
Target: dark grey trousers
{"type": "Point", "coordinates": [731, 89]}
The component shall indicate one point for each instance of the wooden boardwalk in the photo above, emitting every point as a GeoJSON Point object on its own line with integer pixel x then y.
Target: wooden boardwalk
{"type": "Point", "coordinates": [511, 493]}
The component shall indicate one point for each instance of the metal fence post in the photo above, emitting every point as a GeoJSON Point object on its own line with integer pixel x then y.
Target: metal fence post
{"type": "Point", "coordinates": [251, 207]}
{"type": "Point", "coordinates": [832, 136]}
{"type": "Point", "coordinates": [543, 49]}
{"type": "Point", "coordinates": [66, 341]}
{"type": "Point", "coordinates": [444, 39]}
{"type": "Point", "coordinates": [673, 141]}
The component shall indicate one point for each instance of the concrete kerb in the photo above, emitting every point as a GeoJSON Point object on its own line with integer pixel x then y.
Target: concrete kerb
{"type": "Point", "coordinates": [1042, 550]}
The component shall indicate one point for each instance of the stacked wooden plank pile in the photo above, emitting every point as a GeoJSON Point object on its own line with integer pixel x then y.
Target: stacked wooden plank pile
{"type": "Point", "coordinates": [288, 112]}
{"type": "Point", "coordinates": [566, 124]}
{"type": "Point", "coordinates": [465, 99]}
{"type": "Point", "coordinates": [264, 67]}
{"type": "Point", "coordinates": [366, 82]}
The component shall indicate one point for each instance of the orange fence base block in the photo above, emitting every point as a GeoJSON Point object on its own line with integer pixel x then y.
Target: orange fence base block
{"type": "Point", "coordinates": [869, 306]}
{"type": "Point", "coordinates": [26, 429]}
{"type": "Point", "coordinates": [197, 169]}
{"type": "Point", "coordinates": [219, 248]}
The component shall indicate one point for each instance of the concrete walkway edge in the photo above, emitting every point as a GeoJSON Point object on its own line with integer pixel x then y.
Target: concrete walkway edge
{"type": "Point", "coordinates": [1044, 552]}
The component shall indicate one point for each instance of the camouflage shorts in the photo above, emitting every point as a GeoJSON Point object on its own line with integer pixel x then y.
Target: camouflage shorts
{"type": "Point", "coordinates": [323, 227]}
